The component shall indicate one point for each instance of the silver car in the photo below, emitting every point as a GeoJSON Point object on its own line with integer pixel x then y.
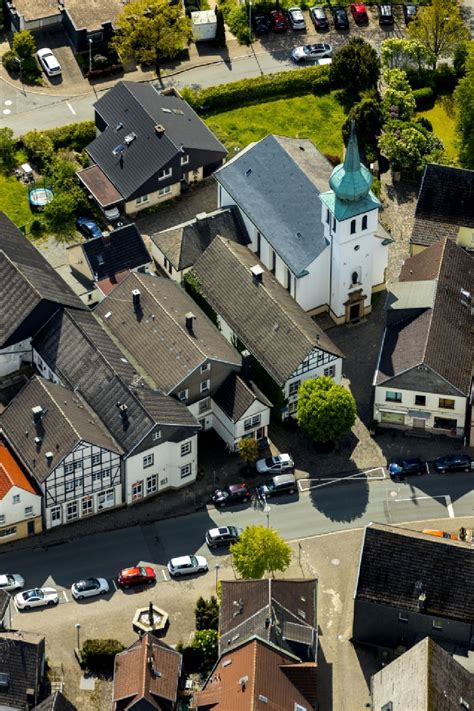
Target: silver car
{"type": "Point", "coordinates": [278, 464]}
{"type": "Point", "coordinates": [311, 52]}
{"type": "Point", "coordinates": [296, 18]}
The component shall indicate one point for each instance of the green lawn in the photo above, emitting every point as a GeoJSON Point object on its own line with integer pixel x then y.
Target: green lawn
{"type": "Point", "coordinates": [318, 118]}
{"type": "Point", "coordinates": [442, 118]}
{"type": "Point", "coordinates": [14, 200]}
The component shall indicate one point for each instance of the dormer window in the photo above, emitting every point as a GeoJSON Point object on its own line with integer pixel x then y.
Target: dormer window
{"type": "Point", "coordinates": [165, 173]}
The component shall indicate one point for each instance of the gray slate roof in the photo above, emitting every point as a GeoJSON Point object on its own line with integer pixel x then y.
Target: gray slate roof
{"type": "Point", "coordinates": [67, 422]}
{"type": "Point", "coordinates": [183, 245]}
{"type": "Point", "coordinates": [235, 396]}
{"type": "Point", "coordinates": [445, 203]}
{"type": "Point", "coordinates": [439, 336]}
{"type": "Point", "coordinates": [55, 702]}
{"type": "Point", "coordinates": [268, 321]}
{"type": "Point", "coordinates": [31, 280]}
{"type": "Point", "coordinates": [157, 338]}
{"type": "Point", "coordinates": [139, 108]}
{"type": "Point", "coordinates": [122, 249]}
{"type": "Point", "coordinates": [22, 656]}
{"type": "Point", "coordinates": [394, 560]}
{"type": "Point", "coordinates": [276, 183]}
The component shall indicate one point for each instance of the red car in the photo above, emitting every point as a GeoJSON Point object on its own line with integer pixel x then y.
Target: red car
{"type": "Point", "coordinates": [359, 13]}
{"type": "Point", "coordinates": [278, 21]}
{"type": "Point", "coordinates": [143, 575]}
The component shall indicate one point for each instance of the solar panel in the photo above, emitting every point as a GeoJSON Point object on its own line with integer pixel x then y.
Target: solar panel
{"type": "Point", "coordinates": [294, 632]}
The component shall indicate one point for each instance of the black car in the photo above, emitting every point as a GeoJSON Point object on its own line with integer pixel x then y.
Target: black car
{"type": "Point", "coordinates": [341, 21]}
{"type": "Point", "coordinates": [453, 463]}
{"type": "Point", "coordinates": [277, 485]}
{"type": "Point", "coordinates": [409, 13]}
{"type": "Point", "coordinates": [385, 14]}
{"type": "Point", "coordinates": [223, 536]}
{"type": "Point", "coordinates": [400, 468]}
{"type": "Point", "coordinates": [261, 25]}
{"type": "Point", "coordinates": [319, 18]}
{"type": "Point", "coordinates": [232, 494]}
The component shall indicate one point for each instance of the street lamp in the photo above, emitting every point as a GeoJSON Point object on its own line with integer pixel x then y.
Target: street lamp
{"type": "Point", "coordinates": [250, 22]}
{"type": "Point", "coordinates": [90, 54]}
{"type": "Point", "coordinates": [20, 62]}
{"type": "Point", "coordinates": [78, 628]}
{"type": "Point", "coordinates": [217, 574]}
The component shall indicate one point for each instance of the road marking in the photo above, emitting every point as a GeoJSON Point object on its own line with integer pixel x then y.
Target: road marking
{"type": "Point", "coordinates": [6, 112]}
{"type": "Point", "coordinates": [114, 584]}
{"type": "Point", "coordinates": [65, 596]}
{"type": "Point", "coordinates": [70, 108]}
{"type": "Point", "coordinates": [8, 102]}
{"type": "Point", "coordinates": [359, 476]}
{"type": "Point", "coordinates": [447, 501]}
{"type": "Point", "coordinates": [449, 506]}
{"type": "Point", "coordinates": [164, 575]}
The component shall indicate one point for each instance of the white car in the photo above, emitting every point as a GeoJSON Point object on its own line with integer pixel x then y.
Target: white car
{"type": "Point", "coordinates": [275, 465]}
{"type": "Point", "coordinates": [11, 581]}
{"type": "Point", "coordinates": [37, 597]}
{"type": "Point", "coordinates": [49, 62]}
{"type": "Point", "coordinates": [187, 565]}
{"type": "Point", "coordinates": [296, 18]}
{"type": "Point", "coordinates": [311, 52]}
{"type": "Point", "coordinates": [89, 588]}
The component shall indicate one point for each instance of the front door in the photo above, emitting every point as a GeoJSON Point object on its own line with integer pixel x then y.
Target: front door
{"type": "Point", "coordinates": [56, 516]}
{"type": "Point", "coordinates": [419, 422]}
{"type": "Point", "coordinates": [354, 312]}
{"type": "Point", "coordinates": [31, 528]}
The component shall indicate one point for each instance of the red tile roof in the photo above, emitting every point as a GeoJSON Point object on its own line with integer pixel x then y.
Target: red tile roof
{"type": "Point", "coordinates": [11, 474]}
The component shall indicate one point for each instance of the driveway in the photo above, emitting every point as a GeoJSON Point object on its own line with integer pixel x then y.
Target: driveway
{"type": "Point", "coordinates": [71, 81]}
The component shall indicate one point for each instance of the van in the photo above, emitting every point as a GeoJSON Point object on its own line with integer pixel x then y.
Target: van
{"type": "Point", "coordinates": [280, 484]}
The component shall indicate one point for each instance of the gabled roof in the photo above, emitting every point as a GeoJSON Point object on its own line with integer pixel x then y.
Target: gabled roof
{"type": "Point", "coordinates": [22, 659]}
{"type": "Point", "coordinates": [27, 280]}
{"type": "Point", "coordinates": [437, 681]}
{"type": "Point", "coordinates": [147, 672]}
{"type": "Point", "coordinates": [235, 396]}
{"type": "Point", "coordinates": [398, 564]}
{"type": "Point", "coordinates": [55, 702]}
{"type": "Point", "coordinates": [183, 245]}
{"type": "Point", "coordinates": [156, 336]}
{"type": "Point", "coordinates": [67, 420]}
{"type": "Point", "coordinates": [282, 612]}
{"type": "Point", "coordinates": [440, 336]}
{"type": "Point", "coordinates": [139, 108]}
{"type": "Point", "coordinates": [118, 250]}
{"type": "Point", "coordinates": [268, 321]}
{"type": "Point", "coordinates": [11, 474]}
{"type": "Point", "coordinates": [445, 203]}
{"type": "Point", "coordinates": [273, 187]}
{"type": "Point", "coordinates": [258, 675]}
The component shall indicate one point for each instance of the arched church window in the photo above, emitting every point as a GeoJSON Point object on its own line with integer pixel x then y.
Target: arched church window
{"type": "Point", "coordinates": [355, 277]}
{"type": "Point", "coordinates": [364, 222]}
{"type": "Point", "coordinates": [353, 227]}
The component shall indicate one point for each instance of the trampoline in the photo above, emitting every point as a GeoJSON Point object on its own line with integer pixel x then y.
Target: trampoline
{"type": "Point", "coordinates": [39, 197]}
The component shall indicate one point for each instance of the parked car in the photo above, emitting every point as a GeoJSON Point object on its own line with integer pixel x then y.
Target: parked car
{"type": "Point", "coordinates": [341, 21]}
{"type": "Point", "coordinates": [261, 25]}
{"type": "Point", "coordinates": [275, 465]}
{"type": "Point", "coordinates": [223, 536]}
{"type": "Point", "coordinates": [359, 12]}
{"type": "Point", "coordinates": [11, 581]}
{"type": "Point", "coordinates": [49, 62]}
{"type": "Point", "coordinates": [88, 227]}
{"type": "Point", "coordinates": [232, 494]}
{"type": "Point", "coordinates": [319, 18]}
{"type": "Point", "coordinates": [37, 597]}
{"type": "Point", "coordinates": [409, 13]}
{"type": "Point", "coordinates": [311, 52]}
{"type": "Point", "coordinates": [89, 588]}
{"type": "Point", "coordinates": [385, 14]}
{"type": "Point", "coordinates": [263, 444]}
{"type": "Point", "coordinates": [453, 463]}
{"type": "Point", "coordinates": [187, 565]}
{"type": "Point", "coordinates": [278, 21]}
{"type": "Point", "coordinates": [400, 468]}
{"type": "Point", "coordinates": [441, 534]}
{"type": "Point", "coordinates": [280, 484]}
{"type": "Point", "coordinates": [143, 575]}
{"type": "Point", "coordinates": [296, 18]}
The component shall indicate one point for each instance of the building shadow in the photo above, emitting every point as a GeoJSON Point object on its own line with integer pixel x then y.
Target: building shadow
{"type": "Point", "coordinates": [324, 682]}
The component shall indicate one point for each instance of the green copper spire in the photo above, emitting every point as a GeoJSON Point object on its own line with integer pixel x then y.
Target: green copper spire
{"type": "Point", "coordinates": [351, 180]}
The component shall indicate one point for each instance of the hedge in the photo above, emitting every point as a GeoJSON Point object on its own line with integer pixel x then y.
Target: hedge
{"type": "Point", "coordinates": [98, 655]}
{"type": "Point", "coordinates": [75, 136]}
{"type": "Point", "coordinates": [424, 97]}
{"type": "Point", "coordinates": [265, 88]}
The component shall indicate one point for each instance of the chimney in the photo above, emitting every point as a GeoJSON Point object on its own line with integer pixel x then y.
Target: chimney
{"type": "Point", "coordinates": [189, 321]}
{"type": "Point", "coordinates": [245, 355]}
{"type": "Point", "coordinates": [123, 410]}
{"type": "Point", "coordinates": [257, 273]}
{"type": "Point", "coordinates": [136, 300]}
{"type": "Point", "coordinates": [421, 602]}
{"type": "Point", "coordinates": [38, 413]}
{"type": "Point", "coordinates": [159, 129]}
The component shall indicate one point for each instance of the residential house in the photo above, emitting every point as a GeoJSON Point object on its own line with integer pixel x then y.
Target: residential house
{"type": "Point", "coordinates": [410, 586]}
{"type": "Point", "coordinates": [22, 669]}
{"type": "Point", "coordinates": [326, 248]}
{"type": "Point", "coordinates": [63, 445]}
{"type": "Point", "coordinates": [444, 208]}
{"type": "Point", "coordinates": [176, 249]}
{"type": "Point", "coordinates": [181, 353]}
{"type": "Point", "coordinates": [157, 435]}
{"type": "Point", "coordinates": [5, 610]}
{"type": "Point", "coordinates": [100, 263]}
{"type": "Point", "coordinates": [55, 702]}
{"type": "Point", "coordinates": [258, 675]}
{"type": "Point", "coordinates": [147, 676]}
{"type": "Point", "coordinates": [32, 292]}
{"type": "Point", "coordinates": [20, 501]}
{"type": "Point", "coordinates": [239, 410]}
{"type": "Point", "coordinates": [425, 678]}
{"type": "Point", "coordinates": [150, 146]}
{"type": "Point", "coordinates": [424, 372]}
{"type": "Point", "coordinates": [253, 309]}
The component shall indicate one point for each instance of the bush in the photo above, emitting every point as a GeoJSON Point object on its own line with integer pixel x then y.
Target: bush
{"type": "Point", "coordinates": [445, 79]}
{"type": "Point", "coordinates": [236, 17]}
{"type": "Point", "coordinates": [424, 97]}
{"type": "Point", "coordinates": [75, 136]}
{"type": "Point", "coordinates": [39, 147]}
{"type": "Point", "coordinates": [7, 149]}
{"type": "Point", "coordinates": [24, 44]}
{"type": "Point", "coordinates": [36, 228]}
{"type": "Point", "coordinates": [98, 655]}
{"type": "Point", "coordinates": [321, 84]}
{"type": "Point", "coordinates": [207, 614]}
{"type": "Point", "coordinates": [426, 123]}
{"type": "Point", "coordinates": [10, 62]}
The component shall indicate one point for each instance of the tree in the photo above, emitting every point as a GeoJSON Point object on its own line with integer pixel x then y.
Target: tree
{"type": "Point", "coordinates": [24, 44]}
{"type": "Point", "coordinates": [326, 411]}
{"type": "Point", "coordinates": [398, 99]}
{"type": "Point", "coordinates": [260, 550]}
{"type": "Point", "coordinates": [368, 117]}
{"type": "Point", "coordinates": [39, 147]}
{"type": "Point", "coordinates": [7, 149]}
{"type": "Point", "coordinates": [402, 52]}
{"type": "Point", "coordinates": [409, 146]}
{"type": "Point", "coordinates": [59, 213]}
{"type": "Point", "coordinates": [355, 67]}
{"type": "Point", "coordinates": [439, 27]}
{"type": "Point", "coordinates": [207, 614]}
{"type": "Point", "coordinates": [248, 450]}
{"type": "Point", "coordinates": [148, 31]}
{"type": "Point", "coordinates": [464, 101]}
{"type": "Point", "coordinates": [206, 642]}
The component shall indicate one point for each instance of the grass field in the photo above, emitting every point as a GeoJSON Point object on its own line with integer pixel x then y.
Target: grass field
{"type": "Point", "coordinates": [442, 118]}
{"type": "Point", "coordinates": [14, 200]}
{"type": "Point", "coordinates": [318, 118]}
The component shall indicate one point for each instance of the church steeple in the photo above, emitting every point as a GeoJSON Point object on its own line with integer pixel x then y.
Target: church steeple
{"type": "Point", "coordinates": [351, 181]}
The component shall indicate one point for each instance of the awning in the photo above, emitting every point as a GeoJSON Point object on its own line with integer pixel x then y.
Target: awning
{"type": "Point", "coordinates": [419, 414]}
{"type": "Point", "coordinates": [386, 409]}
{"type": "Point", "coordinates": [98, 184]}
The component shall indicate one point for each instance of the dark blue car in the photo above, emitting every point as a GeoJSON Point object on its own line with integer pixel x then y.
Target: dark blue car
{"type": "Point", "coordinates": [400, 468]}
{"type": "Point", "coordinates": [88, 227]}
{"type": "Point", "coordinates": [452, 463]}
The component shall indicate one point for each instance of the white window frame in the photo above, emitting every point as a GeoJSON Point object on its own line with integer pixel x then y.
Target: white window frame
{"type": "Point", "coordinates": [105, 499]}
{"type": "Point", "coordinates": [69, 468]}
{"type": "Point", "coordinates": [95, 459]}
{"type": "Point", "coordinates": [185, 159]}
{"type": "Point", "coordinates": [148, 460]}
{"type": "Point", "coordinates": [141, 199]}
{"type": "Point", "coordinates": [77, 465]}
{"type": "Point", "coordinates": [2, 518]}
{"type": "Point", "coordinates": [151, 484]}
{"type": "Point", "coordinates": [204, 405]}
{"type": "Point", "coordinates": [293, 388]}
{"type": "Point", "coordinates": [186, 448]}
{"type": "Point", "coordinates": [185, 471]}
{"type": "Point", "coordinates": [330, 371]}
{"type": "Point", "coordinates": [105, 474]}
{"type": "Point", "coordinates": [87, 506]}
{"type": "Point", "coordinates": [56, 514]}
{"type": "Point", "coordinates": [165, 173]}
{"type": "Point", "coordinates": [29, 511]}
{"type": "Point", "coordinates": [96, 476]}
{"type": "Point", "coordinates": [137, 490]}
{"type": "Point", "coordinates": [69, 486]}
{"type": "Point", "coordinates": [204, 386]}
{"type": "Point", "coordinates": [292, 407]}
{"type": "Point", "coordinates": [165, 191]}
{"type": "Point", "coordinates": [16, 498]}
{"type": "Point", "coordinates": [72, 511]}
{"type": "Point", "coordinates": [205, 367]}
{"type": "Point", "coordinates": [156, 435]}
{"type": "Point", "coordinates": [7, 532]}
{"type": "Point", "coordinates": [183, 395]}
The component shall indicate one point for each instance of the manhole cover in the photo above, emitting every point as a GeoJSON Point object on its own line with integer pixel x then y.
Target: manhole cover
{"type": "Point", "coordinates": [393, 494]}
{"type": "Point", "coordinates": [336, 561]}
{"type": "Point", "coordinates": [87, 683]}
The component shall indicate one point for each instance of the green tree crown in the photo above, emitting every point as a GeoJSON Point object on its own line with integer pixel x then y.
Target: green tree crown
{"type": "Point", "coordinates": [325, 410]}
{"type": "Point", "coordinates": [260, 550]}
